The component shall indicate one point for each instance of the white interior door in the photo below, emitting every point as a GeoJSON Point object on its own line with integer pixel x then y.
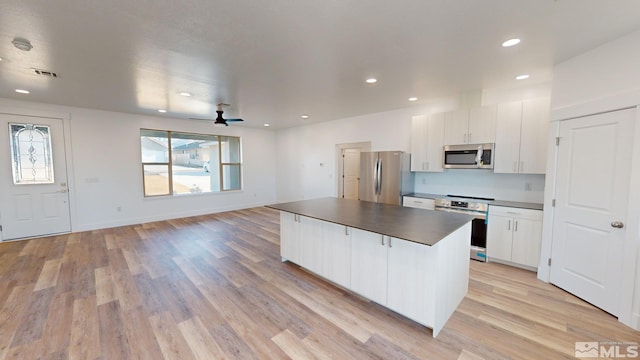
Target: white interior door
{"type": "Point", "coordinates": [34, 198]}
{"type": "Point", "coordinates": [351, 173]}
{"type": "Point", "coordinates": [593, 169]}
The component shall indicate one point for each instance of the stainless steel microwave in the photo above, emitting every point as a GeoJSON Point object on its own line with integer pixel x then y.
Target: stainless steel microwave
{"type": "Point", "coordinates": [469, 156]}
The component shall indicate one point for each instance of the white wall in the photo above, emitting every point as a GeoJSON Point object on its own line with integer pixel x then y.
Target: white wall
{"type": "Point", "coordinates": [598, 73]}
{"type": "Point", "coordinates": [302, 149]}
{"type": "Point", "coordinates": [604, 79]}
{"type": "Point", "coordinates": [106, 146]}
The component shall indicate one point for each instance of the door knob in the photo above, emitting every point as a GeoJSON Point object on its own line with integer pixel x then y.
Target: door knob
{"type": "Point", "coordinates": [617, 224]}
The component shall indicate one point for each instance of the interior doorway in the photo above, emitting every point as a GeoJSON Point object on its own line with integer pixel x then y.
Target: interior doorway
{"type": "Point", "coordinates": [348, 164]}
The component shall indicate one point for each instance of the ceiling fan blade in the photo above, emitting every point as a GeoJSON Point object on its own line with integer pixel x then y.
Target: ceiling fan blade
{"type": "Point", "coordinates": [234, 120]}
{"type": "Point", "coordinates": [201, 119]}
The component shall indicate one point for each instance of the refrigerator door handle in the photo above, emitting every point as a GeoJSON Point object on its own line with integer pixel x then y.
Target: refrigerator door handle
{"type": "Point", "coordinates": [379, 176]}
{"type": "Point", "coordinates": [375, 177]}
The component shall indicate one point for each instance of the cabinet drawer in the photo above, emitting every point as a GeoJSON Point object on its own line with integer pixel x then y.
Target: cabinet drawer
{"type": "Point", "coordinates": [420, 203]}
{"type": "Point", "coordinates": [515, 212]}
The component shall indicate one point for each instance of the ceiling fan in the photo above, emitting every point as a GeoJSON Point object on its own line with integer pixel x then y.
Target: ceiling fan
{"type": "Point", "coordinates": [220, 122]}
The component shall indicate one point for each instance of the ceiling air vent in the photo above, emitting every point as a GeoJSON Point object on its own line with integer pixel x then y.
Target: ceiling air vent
{"type": "Point", "coordinates": [46, 73]}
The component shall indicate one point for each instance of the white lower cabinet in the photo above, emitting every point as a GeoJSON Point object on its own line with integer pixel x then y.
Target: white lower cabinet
{"type": "Point", "coordinates": [420, 203]}
{"type": "Point", "coordinates": [408, 278]}
{"type": "Point", "coordinates": [514, 235]}
{"type": "Point", "coordinates": [369, 265]}
{"type": "Point", "coordinates": [311, 243]}
{"type": "Point", "coordinates": [336, 254]}
{"type": "Point", "coordinates": [320, 246]}
{"type": "Point", "coordinates": [289, 235]}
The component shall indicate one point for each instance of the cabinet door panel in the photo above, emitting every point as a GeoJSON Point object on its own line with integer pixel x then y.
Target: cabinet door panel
{"type": "Point", "coordinates": [419, 143]}
{"type": "Point", "coordinates": [507, 148]}
{"type": "Point", "coordinates": [482, 125]}
{"type": "Point", "coordinates": [289, 245]}
{"type": "Point", "coordinates": [311, 237]}
{"type": "Point", "coordinates": [533, 143]}
{"type": "Point", "coordinates": [527, 235]}
{"type": "Point", "coordinates": [499, 234]}
{"type": "Point", "coordinates": [456, 126]}
{"type": "Point", "coordinates": [435, 142]}
{"type": "Point", "coordinates": [336, 254]}
{"type": "Point", "coordinates": [410, 275]}
{"type": "Point", "coordinates": [369, 265]}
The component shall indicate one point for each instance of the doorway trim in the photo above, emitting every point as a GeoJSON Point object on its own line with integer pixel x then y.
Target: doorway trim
{"type": "Point", "coordinates": [363, 146]}
{"type": "Point", "coordinates": [630, 282]}
{"type": "Point", "coordinates": [68, 154]}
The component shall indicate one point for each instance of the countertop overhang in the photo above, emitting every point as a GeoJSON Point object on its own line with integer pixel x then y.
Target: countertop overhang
{"type": "Point", "coordinates": [418, 225]}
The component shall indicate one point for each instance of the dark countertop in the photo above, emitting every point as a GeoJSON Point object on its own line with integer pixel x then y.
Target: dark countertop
{"type": "Point", "coordinates": [515, 204]}
{"type": "Point", "coordinates": [417, 225]}
{"type": "Point", "coordinates": [425, 196]}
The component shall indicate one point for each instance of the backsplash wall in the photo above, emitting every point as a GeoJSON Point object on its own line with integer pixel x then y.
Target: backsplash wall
{"type": "Point", "coordinates": [482, 183]}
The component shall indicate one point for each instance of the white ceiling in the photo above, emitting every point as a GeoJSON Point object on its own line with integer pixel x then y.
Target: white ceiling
{"type": "Point", "coordinates": [275, 60]}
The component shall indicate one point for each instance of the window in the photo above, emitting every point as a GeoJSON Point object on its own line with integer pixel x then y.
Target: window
{"type": "Point", "coordinates": [175, 163]}
{"type": "Point", "coordinates": [31, 159]}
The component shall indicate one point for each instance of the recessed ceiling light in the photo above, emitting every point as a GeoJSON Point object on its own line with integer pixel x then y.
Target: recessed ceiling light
{"type": "Point", "coordinates": [372, 81]}
{"type": "Point", "coordinates": [0, 59]}
{"type": "Point", "coordinates": [185, 94]}
{"type": "Point", "coordinates": [266, 125]}
{"type": "Point", "coordinates": [305, 116]}
{"type": "Point", "coordinates": [162, 111]}
{"type": "Point", "coordinates": [413, 98]}
{"type": "Point", "coordinates": [522, 77]}
{"type": "Point", "coordinates": [511, 42]}
{"type": "Point", "coordinates": [22, 91]}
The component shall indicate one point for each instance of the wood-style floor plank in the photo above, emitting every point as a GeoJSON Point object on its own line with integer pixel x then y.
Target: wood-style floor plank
{"type": "Point", "coordinates": [213, 287]}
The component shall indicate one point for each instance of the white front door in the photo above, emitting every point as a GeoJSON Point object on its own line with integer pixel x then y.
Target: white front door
{"type": "Point", "coordinates": [592, 186]}
{"type": "Point", "coordinates": [34, 198]}
{"type": "Point", "coordinates": [351, 173]}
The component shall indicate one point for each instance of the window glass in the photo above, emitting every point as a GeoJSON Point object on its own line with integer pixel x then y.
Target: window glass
{"type": "Point", "coordinates": [231, 177]}
{"type": "Point", "coordinates": [155, 146]}
{"type": "Point", "coordinates": [32, 162]}
{"type": "Point", "coordinates": [156, 180]}
{"type": "Point", "coordinates": [230, 149]}
{"type": "Point", "coordinates": [185, 163]}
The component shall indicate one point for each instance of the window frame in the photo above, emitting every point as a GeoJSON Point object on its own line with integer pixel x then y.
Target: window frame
{"type": "Point", "coordinates": [169, 163]}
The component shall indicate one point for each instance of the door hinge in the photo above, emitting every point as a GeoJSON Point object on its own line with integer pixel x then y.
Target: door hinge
{"type": "Point", "coordinates": [557, 140]}
{"type": "Point", "coordinates": [553, 203]}
{"type": "Point", "coordinates": [0, 227]}
{"type": "Point", "coordinates": [549, 262]}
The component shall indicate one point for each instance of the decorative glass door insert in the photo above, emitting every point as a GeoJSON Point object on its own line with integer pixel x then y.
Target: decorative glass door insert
{"type": "Point", "coordinates": [31, 158]}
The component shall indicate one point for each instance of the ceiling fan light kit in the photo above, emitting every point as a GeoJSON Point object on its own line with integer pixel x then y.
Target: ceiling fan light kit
{"type": "Point", "coordinates": [22, 44]}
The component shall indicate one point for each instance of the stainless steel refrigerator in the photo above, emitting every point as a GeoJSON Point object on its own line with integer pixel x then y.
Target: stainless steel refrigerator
{"type": "Point", "coordinates": [385, 176]}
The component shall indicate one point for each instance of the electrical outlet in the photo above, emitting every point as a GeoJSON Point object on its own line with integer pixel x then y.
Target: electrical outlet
{"type": "Point", "coordinates": [527, 187]}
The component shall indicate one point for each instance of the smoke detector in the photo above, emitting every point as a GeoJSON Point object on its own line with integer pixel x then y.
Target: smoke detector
{"type": "Point", "coordinates": [22, 44]}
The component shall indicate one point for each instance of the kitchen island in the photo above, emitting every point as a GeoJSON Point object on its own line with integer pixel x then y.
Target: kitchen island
{"type": "Point", "coordinates": [412, 261]}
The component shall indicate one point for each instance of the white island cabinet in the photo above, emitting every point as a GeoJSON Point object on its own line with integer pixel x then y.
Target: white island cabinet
{"type": "Point", "coordinates": [424, 278]}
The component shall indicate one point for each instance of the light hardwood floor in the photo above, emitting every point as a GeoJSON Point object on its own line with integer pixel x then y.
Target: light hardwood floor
{"type": "Point", "coordinates": [213, 287]}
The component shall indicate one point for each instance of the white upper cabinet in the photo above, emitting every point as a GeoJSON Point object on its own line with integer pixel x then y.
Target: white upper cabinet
{"type": "Point", "coordinates": [521, 137]}
{"type": "Point", "coordinates": [470, 126]}
{"type": "Point", "coordinates": [482, 125]}
{"type": "Point", "coordinates": [456, 127]}
{"type": "Point", "coordinates": [427, 140]}
{"type": "Point", "coordinates": [533, 139]}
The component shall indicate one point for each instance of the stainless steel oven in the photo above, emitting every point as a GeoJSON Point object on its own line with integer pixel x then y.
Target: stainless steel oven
{"type": "Point", "coordinates": [477, 207]}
